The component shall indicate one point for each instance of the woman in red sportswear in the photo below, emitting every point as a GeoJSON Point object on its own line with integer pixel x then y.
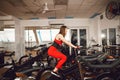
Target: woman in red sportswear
{"type": "Point", "coordinates": [54, 52]}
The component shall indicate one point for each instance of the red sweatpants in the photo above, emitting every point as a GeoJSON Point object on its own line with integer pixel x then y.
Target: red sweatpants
{"type": "Point", "coordinates": [52, 51]}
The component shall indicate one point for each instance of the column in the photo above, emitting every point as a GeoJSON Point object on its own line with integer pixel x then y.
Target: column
{"type": "Point", "coordinates": [19, 39]}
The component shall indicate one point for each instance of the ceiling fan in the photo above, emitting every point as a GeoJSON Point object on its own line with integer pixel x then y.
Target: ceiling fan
{"type": "Point", "coordinates": [46, 9]}
{"type": "Point", "coordinates": [43, 9]}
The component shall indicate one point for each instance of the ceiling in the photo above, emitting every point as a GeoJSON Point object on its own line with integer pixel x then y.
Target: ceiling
{"type": "Point", "coordinates": [32, 9]}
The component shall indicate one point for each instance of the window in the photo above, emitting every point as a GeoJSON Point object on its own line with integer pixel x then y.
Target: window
{"type": "Point", "coordinates": [29, 36]}
{"type": "Point", "coordinates": [1, 36]}
{"type": "Point", "coordinates": [44, 35]}
{"type": "Point", "coordinates": [49, 35]}
{"type": "Point", "coordinates": [8, 35]}
{"type": "Point", "coordinates": [54, 32]}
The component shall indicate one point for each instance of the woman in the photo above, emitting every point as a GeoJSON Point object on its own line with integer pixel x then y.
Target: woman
{"type": "Point", "coordinates": [54, 52]}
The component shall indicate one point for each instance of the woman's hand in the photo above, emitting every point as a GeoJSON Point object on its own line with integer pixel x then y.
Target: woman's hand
{"type": "Point", "coordinates": [77, 47]}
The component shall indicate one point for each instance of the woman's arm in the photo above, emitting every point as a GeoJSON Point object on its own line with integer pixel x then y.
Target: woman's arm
{"type": "Point", "coordinates": [65, 41]}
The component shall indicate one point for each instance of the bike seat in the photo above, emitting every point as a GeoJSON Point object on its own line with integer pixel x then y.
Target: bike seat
{"type": "Point", "coordinates": [114, 64]}
{"type": "Point", "coordinates": [91, 57]}
{"type": "Point", "coordinates": [42, 45]}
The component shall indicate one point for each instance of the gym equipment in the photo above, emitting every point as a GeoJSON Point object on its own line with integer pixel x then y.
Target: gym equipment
{"type": "Point", "coordinates": [95, 67]}
{"type": "Point", "coordinates": [25, 69]}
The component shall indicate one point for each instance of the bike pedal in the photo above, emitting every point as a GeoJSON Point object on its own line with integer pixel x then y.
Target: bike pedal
{"type": "Point", "coordinates": [17, 79]}
{"type": "Point", "coordinates": [88, 78]}
{"type": "Point", "coordinates": [31, 78]}
{"type": "Point", "coordinates": [88, 73]}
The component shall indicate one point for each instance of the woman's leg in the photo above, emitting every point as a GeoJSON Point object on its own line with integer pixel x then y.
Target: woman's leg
{"type": "Point", "coordinates": [62, 59]}
{"type": "Point", "coordinates": [55, 70]}
{"type": "Point", "coordinates": [61, 56]}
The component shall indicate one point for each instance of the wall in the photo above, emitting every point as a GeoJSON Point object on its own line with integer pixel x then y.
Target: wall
{"type": "Point", "coordinates": [106, 24]}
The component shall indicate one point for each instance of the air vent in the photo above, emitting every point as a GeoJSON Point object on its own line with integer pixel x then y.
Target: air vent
{"type": "Point", "coordinates": [60, 2]}
{"type": "Point", "coordinates": [69, 17]}
{"type": "Point", "coordinates": [58, 22]}
{"type": "Point", "coordinates": [52, 17]}
{"type": "Point", "coordinates": [34, 18]}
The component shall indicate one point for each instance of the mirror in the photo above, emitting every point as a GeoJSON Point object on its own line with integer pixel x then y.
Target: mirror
{"type": "Point", "coordinates": [83, 38]}
{"type": "Point", "coordinates": [112, 36]}
{"type": "Point", "coordinates": [104, 37]}
{"type": "Point", "coordinates": [74, 36]}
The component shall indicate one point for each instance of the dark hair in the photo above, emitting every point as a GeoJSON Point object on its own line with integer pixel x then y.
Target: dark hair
{"type": "Point", "coordinates": [62, 30]}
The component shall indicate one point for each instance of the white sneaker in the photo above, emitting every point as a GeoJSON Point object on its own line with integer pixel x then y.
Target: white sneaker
{"type": "Point", "coordinates": [54, 73]}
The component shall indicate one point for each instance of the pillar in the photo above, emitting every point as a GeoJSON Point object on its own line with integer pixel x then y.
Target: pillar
{"type": "Point", "coordinates": [19, 39]}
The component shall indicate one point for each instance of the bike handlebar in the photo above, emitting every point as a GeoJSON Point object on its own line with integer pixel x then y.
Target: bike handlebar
{"type": "Point", "coordinates": [10, 54]}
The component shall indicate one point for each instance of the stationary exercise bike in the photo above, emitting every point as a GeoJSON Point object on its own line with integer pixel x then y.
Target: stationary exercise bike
{"type": "Point", "coordinates": [101, 69]}
{"type": "Point", "coordinates": [23, 70]}
{"type": "Point", "coordinates": [71, 72]}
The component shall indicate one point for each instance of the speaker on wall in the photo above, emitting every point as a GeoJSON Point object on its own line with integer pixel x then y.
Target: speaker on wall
{"type": "Point", "coordinates": [101, 17]}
